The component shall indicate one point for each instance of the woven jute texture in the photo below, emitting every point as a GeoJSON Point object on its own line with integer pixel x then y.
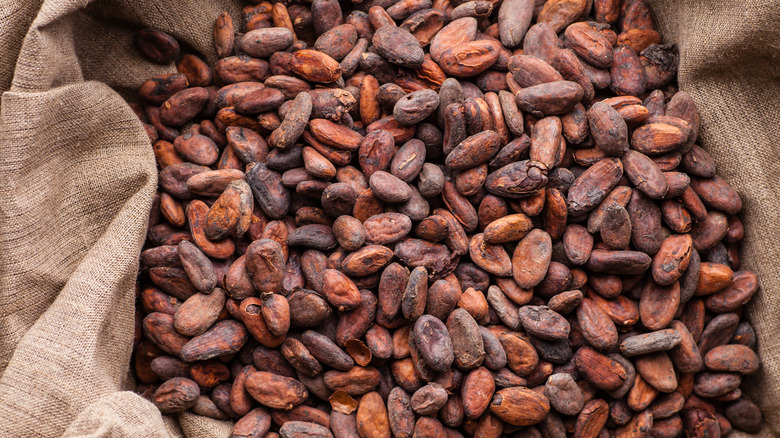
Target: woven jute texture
{"type": "Point", "coordinates": [77, 177]}
{"type": "Point", "coordinates": [730, 64]}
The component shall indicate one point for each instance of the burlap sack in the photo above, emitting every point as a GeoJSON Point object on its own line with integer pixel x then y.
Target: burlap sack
{"type": "Point", "coordinates": [77, 177]}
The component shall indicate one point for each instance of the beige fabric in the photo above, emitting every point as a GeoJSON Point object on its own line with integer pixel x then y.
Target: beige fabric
{"type": "Point", "coordinates": [77, 177]}
{"type": "Point", "coordinates": [730, 64]}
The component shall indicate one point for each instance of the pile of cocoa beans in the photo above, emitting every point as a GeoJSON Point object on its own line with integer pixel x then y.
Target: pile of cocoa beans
{"type": "Point", "coordinates": [437, 218]}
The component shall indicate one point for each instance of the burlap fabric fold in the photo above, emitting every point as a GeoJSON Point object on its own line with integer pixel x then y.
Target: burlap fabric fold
{"type": "Point", "coordinates": [77, 177]}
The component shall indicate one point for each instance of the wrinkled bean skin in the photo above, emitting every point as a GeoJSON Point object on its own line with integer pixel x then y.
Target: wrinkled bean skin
{"type": "Point", "coordinates": [176, 395]}
{"type": "Point", "coordinates": [425, 218]}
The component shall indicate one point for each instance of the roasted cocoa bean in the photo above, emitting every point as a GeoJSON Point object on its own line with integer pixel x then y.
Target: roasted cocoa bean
{"type": "Point", "coordinates": [504, 302]}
